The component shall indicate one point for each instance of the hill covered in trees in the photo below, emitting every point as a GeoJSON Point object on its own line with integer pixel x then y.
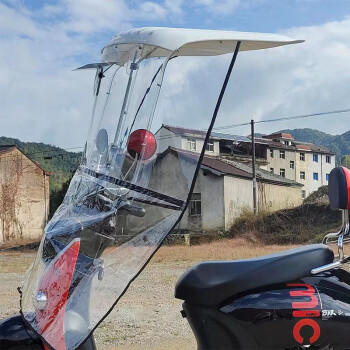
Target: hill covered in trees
{"type": "Point", "coordinates": [340, 144]}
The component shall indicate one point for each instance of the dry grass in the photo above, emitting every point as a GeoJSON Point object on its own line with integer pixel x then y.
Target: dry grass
{"type": "Point", "coordinates": [307, 223]}
{"type": "Point", "coordinates": [225, 249]}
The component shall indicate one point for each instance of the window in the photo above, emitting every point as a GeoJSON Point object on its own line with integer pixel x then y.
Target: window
{"type": "Point", "coordinates": [283, 172]}
{"type": "Point", "coordinates": [282, 154]}
{"type": "Point", "coordinates": [291, 164]}
{"type": "Point", "coordinates": [272, 170]}
{"type": "Point", "coordinates": [327, 177]}
{"type": "Point", "coordinates": [315, 176]}
{"type": "Point", "coordinates": [302, 175]}
{"type": "Point", "coordinates": [303, 194]}
{"type": "Point", "coordinates": [328, 159]}
{"type": "Point", "coordinates": [271, 153]}
{"type": "Point", "coordinates": [191, 144]}
{"type": "Point", "coordinates": [302, 157]}
{"type": "Point", "coordinates": [195, 205]}
{"type": "Point", "coordinates": [315, 158]}
{"type": "Point", "coordinates": [210, 146]}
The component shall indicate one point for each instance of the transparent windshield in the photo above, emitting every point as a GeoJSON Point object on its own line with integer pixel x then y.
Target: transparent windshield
{"type": "Point", "coordinates": [128, 193]}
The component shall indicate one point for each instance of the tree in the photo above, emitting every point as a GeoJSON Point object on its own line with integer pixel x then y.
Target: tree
{"type": "Point", "coordinates": [345, 161]}
{"type": "Point", "coordinates": [57, 197]}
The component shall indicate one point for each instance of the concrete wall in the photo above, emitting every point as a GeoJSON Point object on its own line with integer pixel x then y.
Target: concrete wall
{"type": "Point", "coordinates": [166, 138]}
{"type": "Point", "coordinates": [222, 197]}
{"type": "Point", "coordinates": [303, 166]}
{"type": "Point", "coordinates": [278, 163]}
{"type": "Point", "coordinates": [24, 197]}
{"type": "Point", "coordinates": [211, 188]}
{"type": "Point", "coordinates": [310, 167]}
{"type": "Point", "coordinates": [199, 146]}
{"type": "Point", "coordinates": [274, 197]}
{"type": "Point", "coordinates": [238, 195]}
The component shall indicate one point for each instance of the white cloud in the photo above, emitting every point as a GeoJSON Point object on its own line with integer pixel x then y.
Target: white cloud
{"type": "Point", "coordinates": [219, 7]}
{"type": "Point", "coordinates": [151, 10]}
{"type": "Point", "coordinates": [292, 80]}
{"type": "Point", "coordinates": [175, 7]}
{"type": "Point", "coordinates": [42, 100]}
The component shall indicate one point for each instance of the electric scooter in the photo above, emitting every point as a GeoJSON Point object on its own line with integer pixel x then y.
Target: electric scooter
{"type": "Point", "coordinates": [133, 187]}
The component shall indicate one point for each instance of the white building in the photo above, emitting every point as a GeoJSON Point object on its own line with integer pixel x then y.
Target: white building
{"type": "Point", "coordinates": [287, 172]}
{"type": "Point", "coordinates": [185, 139]}
{"type": "Point", "coordinates": [303, 162]}
{"type": "Point", "coordinates": [223, 189]}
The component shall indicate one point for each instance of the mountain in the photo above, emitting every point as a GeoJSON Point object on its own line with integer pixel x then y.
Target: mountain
{"type": "Point", "coordinates": [51, 158]}
{"type": "Point", "coordinates": [339, 144]}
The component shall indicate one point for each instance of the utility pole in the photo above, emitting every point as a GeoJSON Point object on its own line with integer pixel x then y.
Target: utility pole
{"type": "Point", "coordinates": [255, 206]}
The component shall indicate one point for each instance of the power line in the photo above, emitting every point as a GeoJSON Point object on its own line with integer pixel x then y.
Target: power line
{"type": "Point", "coordinates": [340, 111]}
{"type": "Point", "coordinates": [224, 127]}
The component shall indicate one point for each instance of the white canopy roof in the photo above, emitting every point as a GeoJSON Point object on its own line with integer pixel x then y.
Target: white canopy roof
{"type": "Point", "coordinates": [193, 42]}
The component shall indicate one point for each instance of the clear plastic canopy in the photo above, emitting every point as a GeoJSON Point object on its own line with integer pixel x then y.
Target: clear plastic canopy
{"type": "Point", "coordinates": [129, 192]}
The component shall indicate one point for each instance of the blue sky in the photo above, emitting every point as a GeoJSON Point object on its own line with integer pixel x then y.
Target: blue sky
{"type": "Point", "coordinates": [43, 40]}
{"type": "Point", "coordinates": [246, 15]}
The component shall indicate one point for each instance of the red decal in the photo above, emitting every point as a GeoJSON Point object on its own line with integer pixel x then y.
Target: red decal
{"type": "Point", "coordinates": [309, 292]}
{"type": "Point", "coordinates": [55, 284]}
{"type": "Point", "coordinates": [306, 313]}
{"type": "Point", "coordinates": [306, 322]}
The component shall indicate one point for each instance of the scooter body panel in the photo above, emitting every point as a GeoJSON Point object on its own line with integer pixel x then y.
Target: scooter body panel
{"type": "Point", "coordinates": [14, 335]}
{"type": "Point", "coordinates": [312, 311]}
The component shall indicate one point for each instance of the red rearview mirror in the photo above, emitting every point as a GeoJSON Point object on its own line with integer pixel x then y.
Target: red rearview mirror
{"type": "Point", "coordinates": [142, 144]}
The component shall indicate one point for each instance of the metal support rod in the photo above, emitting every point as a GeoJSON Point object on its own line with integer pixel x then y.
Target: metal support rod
{"type": "Point", "coordinates": [255, 204]}
{"type": "Point", "coordinates": [216, 111]}
{"type": "Point", "coordinates": [133, 66]}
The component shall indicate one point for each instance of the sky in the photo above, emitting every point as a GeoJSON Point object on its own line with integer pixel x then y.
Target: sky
{"type": "Point", "coordinates": [43, 100]}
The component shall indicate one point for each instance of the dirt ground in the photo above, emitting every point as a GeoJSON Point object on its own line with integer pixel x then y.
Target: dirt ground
{"type": "Point", "coordinates": [148, 316]}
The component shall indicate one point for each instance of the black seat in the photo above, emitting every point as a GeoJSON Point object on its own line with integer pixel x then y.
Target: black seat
{"type": "Point", "coordinates": [210, 283]}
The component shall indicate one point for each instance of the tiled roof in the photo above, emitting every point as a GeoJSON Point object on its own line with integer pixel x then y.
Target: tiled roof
{"type": "Point", "coordinates": [185, 131]}
{"type": "Point", "coordinates": [265, 140]}
{"type": "Point", "coordinates": [230, 137]}
{"type": "Point", "coordinates": [297, 145]}
{"type": "Point", "coordinates": [201, 133]}
{"type": "Point", "coordinates": [279, 135]}
{"type": "Point", "coordinates": [262, 174]}
{"type": "Point", "coordinates": [227, 167]}
{"type": "Point", "coordinates": [303, 147]}
{"type": "Point", "coordinates": [224, 167]}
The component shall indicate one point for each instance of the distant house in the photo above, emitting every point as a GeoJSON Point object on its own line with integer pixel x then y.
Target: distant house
{"type": "Point", "coordinates": [278, 153]}
{"type": "Point", "coordinates": [222, 190]}
{"type": "Point", "coordinates": [303, 162]}
{"type": "Point", "coordinates": [186, 139]}
{"type": "Point", "coordinates": [24, 196]}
